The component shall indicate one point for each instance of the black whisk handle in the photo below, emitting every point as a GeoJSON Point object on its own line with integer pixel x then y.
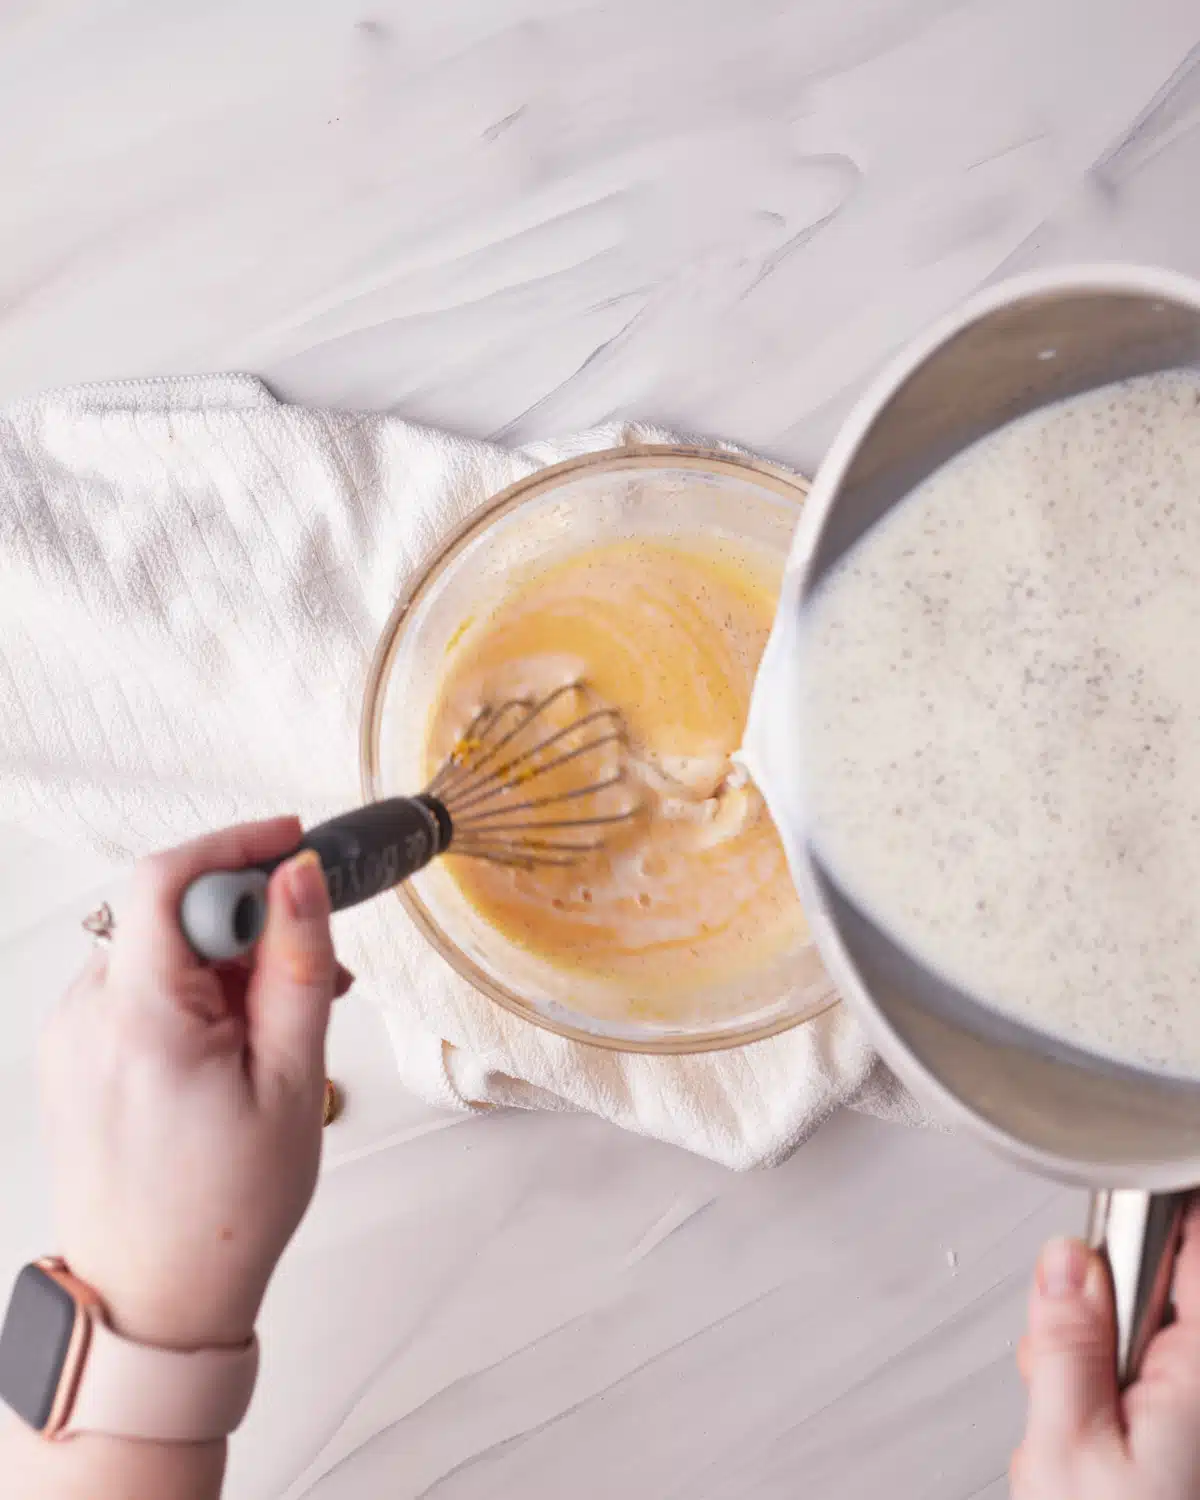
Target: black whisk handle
{"type": "Point", "coordinates": [362, 853]}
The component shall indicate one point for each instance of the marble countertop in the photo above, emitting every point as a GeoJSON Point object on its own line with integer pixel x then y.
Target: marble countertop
{"type": "Point", "coordinates": [516, 218]}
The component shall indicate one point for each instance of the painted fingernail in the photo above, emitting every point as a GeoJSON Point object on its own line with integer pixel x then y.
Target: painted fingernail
{"type": "Point", "coordinates": [306, 885]}
{"type": "Point", "coordinates": [344, 982]}
{"type": "Point", "coordinates": [1063, 1268]}
{"type": "Point", "coordinates": [333, 1103]}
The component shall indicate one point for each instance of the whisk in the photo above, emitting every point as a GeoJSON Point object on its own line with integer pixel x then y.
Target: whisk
{"type": "Point", "coordinates": [479, 804]}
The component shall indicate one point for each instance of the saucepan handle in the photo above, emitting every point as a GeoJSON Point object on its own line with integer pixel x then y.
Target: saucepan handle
{"type": "Point", "coordinates": [1138, 1234]}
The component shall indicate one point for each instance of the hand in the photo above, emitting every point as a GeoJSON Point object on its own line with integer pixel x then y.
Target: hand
{"type": "Point", "coordinates": [1084, 1441]}
{"type": "Point", "coordinates": [184, 1101]}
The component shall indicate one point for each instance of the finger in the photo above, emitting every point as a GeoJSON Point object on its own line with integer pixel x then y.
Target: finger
{"type": "Point", "coordinates": [1170, 1373]}
{"type": "Point", "coordinates": [148, 939]}
{"type": "Point", "coordinates": [1070, 1352]}
{"type": "Point", "coordinates": [1163, 1406]}
{"type": "Point", "coordinates": [295, 974]}
{"type": "Point", "coordinates": [1023, 1358]}
{"type": "Point", "coordinates": [1186, 1291]}
{"type": "Point", "coordinates": [94, 974]}
{"type": "Point", "coordinates": [233, 975]}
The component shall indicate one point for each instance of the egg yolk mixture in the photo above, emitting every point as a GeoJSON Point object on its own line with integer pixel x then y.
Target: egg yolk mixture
{"type": "Point", "coordinates": [694, 887]}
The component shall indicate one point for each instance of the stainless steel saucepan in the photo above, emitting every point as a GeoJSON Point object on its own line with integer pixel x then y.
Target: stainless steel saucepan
{"type": "Point", "coordinates": [1130, 1134]}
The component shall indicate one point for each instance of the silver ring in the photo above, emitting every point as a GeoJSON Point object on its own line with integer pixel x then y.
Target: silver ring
{"type": "Point", "coordinates": [101, 924]}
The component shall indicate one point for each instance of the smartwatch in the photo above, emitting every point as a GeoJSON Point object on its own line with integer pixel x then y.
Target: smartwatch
{"type": "Point", "coordinates": [64, 1371]}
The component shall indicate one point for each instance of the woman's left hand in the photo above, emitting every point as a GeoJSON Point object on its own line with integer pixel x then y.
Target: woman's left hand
{"type": "Point", "coordinates": [185, 1101]}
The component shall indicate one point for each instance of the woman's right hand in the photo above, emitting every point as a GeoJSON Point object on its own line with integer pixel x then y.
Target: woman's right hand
{"type": "Point", "coordinates": [1084, 1440]}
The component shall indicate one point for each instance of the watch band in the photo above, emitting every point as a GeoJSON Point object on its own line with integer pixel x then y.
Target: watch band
{"type": "Point", "coordinates": [165, 1395]}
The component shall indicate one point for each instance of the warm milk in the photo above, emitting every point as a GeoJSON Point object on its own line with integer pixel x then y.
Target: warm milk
{"type": "Point", "coordinates": [1002, 720]}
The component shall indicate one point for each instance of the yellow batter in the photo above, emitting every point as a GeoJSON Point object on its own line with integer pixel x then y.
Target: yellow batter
{"type": "Point", "coordinates": [694, 889]}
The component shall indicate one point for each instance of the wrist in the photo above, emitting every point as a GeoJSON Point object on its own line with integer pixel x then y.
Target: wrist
{"type": "Point", "coordinates": [67, 1373]}
{"type": "Point", "coordinates": [174, 1316]}
{"type": "Point", "coordinates": [93, 1465]}
{"type": "Point", "coordinates": [179, 1331]}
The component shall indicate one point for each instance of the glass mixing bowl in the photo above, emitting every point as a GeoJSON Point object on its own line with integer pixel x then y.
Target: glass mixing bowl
{"type": "Point", "coordinates": [670, 493]}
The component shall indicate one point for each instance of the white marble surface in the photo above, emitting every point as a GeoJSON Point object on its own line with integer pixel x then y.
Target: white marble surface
{"type": "Point", "coordinates": [516, 218]}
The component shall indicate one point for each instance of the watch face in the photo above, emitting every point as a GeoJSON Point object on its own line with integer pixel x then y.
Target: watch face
{"type": "Point", "coordinates": [34, 1345]}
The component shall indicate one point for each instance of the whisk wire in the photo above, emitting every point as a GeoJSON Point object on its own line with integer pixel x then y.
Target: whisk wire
{"type": "Point", "coordinates": [532, 853]}
{"type": "Point", "coordinates": [479, 780]}
{"type": "Point", "coordinates": [596, 822]}
{"type": "Point", "coordinates": [483, 818]}
{"type": "Point", "coordinates": [477, 795]}
{"type": "Point", "coordinates": [521, 861]}
{"type": "Point", "coordinates": [523, 767]}
{"type": "Point", "coordinates": [470, 767]}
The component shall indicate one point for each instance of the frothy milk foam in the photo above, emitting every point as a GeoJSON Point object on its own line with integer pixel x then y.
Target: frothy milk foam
{"type": "Point", "coordinates": [1002, 720]}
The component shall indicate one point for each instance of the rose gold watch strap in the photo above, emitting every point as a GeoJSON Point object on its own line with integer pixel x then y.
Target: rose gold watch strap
{"type": "Point", "coordinates": [133, 1390]}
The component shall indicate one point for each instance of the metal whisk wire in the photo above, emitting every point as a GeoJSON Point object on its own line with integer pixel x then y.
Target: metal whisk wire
{"type": "Point", "coordinates": [477, 779]}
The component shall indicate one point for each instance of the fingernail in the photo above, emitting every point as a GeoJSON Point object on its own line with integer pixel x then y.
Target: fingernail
{"type": "Point", "coordinates": [345, 981]}
{"type": "Point", "coordinates": [1062, 1269]}
{"type": "Point", "coordinates": [306, 885]}
{"type": "Point", "coordinates": [1095, 1286]}
{"type": "Point", "coordinates": [333, 1103]}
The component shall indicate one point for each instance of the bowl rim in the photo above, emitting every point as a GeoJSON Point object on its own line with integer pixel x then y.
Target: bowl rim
{"type": "Point", "coordinates": [733, 463]}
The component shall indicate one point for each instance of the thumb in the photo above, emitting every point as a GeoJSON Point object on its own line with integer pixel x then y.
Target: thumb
{"type": "Point", "coordinates": [295, 972]}
{"type": "Point", "coordinates": [1069, 1356]}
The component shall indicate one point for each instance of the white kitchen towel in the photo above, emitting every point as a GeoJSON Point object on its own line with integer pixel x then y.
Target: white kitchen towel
{"type": "Point", "coordinates": [192, 580]}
